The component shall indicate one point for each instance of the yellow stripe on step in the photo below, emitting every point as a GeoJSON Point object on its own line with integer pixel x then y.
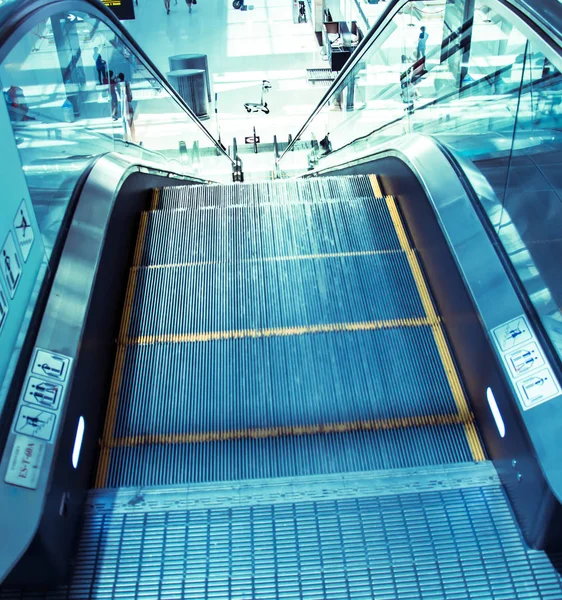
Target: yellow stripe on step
{"type": "Point", "coordinates": [465, 414]}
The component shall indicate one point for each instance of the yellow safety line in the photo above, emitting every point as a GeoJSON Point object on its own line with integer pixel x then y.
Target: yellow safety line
{"type": "Point", "coordinates": [235, 334]}
{"type": "Point", "coordinates": [140, 239]}
{"type": "Point", "coordinates": [107, 436]}
{"type": "Point", "coordinates": [288, 430]}
{"type": "Point", "coordinates": [375, 184]}
{"type": "Point", "coordinates": [452, 376]}
{"type": "Point", "coordinates": [270, 259]}
{"type": "Point", "coordinates": [155, 198]}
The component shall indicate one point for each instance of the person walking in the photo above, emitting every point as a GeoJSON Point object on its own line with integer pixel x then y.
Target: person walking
{"type": "Point", "coordinates": [100, 66]}
{"type": "Point", "coordinates": [167, 6]}
{"type": "Point", "coordinates": [422, 42]}
{"type": "Point", "coordinates": [113, 95]}
{"type": "Point", "coordinates": [127, 107]}
{"type": "Point", "coordinates": [189, 3]}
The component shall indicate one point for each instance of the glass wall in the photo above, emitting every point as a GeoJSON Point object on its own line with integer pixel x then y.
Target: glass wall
{"type": "Point", "coordinates": [470, 77]}
{"type": "Point", "coordinates": [74, 89]}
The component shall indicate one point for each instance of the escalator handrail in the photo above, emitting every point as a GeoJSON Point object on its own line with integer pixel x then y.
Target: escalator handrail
{"type": "Point", "coordinates": [544, 19]}
{"type": "Point", "coordinates": [473, 84]}
{"type": "Point", "coordinates": [13, 15]}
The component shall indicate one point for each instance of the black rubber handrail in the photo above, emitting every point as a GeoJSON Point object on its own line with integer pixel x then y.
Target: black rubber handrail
{"type": "Point", "coordinates": [545, 17]}
{"type": "Point", "coordinates": [18, 17]}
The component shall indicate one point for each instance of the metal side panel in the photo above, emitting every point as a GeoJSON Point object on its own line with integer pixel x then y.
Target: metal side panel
{"type": "Point", "coordinates": [523, 435]}
{"type": "Point", "coordinates": [31, 451]}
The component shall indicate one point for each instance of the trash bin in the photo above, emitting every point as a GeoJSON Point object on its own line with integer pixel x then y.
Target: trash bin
{"type": "Point", "coordinates": [192, 61]}
{"type": "Point", "coordinates": [191, 85]}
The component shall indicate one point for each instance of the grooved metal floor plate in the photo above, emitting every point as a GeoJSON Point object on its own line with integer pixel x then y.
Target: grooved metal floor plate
{"type": "Point", "coordinates": [454, 543]}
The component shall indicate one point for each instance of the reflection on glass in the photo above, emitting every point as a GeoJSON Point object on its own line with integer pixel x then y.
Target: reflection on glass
{"type": "Point", "coordinates": [461, 72]}
{"type": "Point", "coordinates": [74, 90]}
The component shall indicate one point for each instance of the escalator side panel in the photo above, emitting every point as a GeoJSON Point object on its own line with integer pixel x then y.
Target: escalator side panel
{"type": "Point", "coordinates": [513, 456]}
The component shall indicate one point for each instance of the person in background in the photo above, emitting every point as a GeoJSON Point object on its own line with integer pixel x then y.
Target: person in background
{"type": "Point", "coordinates": [189, 3]}
{"type": "Point", "coordinates": [127, 107]}
{"type": "Point", "coordinates": [422, 42]}
{"type": "Point", "coordinates": [17, 105]}
{"type": "Point", "coordinates": [113, 96]}
{"type": "Point", "coordinates": [100, 66]}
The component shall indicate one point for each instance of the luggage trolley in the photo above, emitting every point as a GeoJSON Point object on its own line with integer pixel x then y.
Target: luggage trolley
{"type": "Point", "coordinates": [257, 106]}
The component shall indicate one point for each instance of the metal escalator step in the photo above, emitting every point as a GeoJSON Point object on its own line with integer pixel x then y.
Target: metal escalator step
{"type": "Point", "coordinates": [251, 385]}
{"type": "Point", "coordinates": [281, 294]}
{"type": "Point", "coordinates": [439, 534]}
{"type": "Point", "coordinates": [311, 190]}
{"type": "Point", "coordinates": [285, 456]}
{"type": "Point", "coordinates": [266, 231]}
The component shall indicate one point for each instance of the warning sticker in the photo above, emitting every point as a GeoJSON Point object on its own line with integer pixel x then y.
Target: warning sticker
{"type": "Point", "coordinates": [51, 365]}
{"type": "Point", "coordinates": [24, 230]}
{"type": "Point", "coordinates": [25, 463]}
{"type": "Point", "coordinates": [43, 393]}
{"type": "Point", "coordinates": [3, 306]}
{"type": "Point", "coordinates": [35, 422]}
{"type": "Point", "coordinates": [526, 364]}
{"type": "Point", "coordinates": [513, 333]}
{"type": "Point", "coordinates": [537, 388]}
{"type": "Point", "coordinates": [10, 265]}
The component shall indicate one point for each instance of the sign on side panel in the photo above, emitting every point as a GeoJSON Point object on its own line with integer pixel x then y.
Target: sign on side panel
{"type": "Point", "coordinates": [25, 463]}
{"type": "Point", "coordinates": [529, 371]}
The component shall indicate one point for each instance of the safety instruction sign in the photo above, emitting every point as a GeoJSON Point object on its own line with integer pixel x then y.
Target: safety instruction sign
{"type": "Point", "coordinates": [35, 422]}
{"type": "Point", "coordinates": [10, 265]}
{"type": "Point", "coordinates": [43, 393]}
{"type": "Point", "coordinates": [24, 467]}
{"type": "Point", "coordinates": [4, 306]}
{"type": "Point", "coordinates": [51, 365]}
{"type": "Point", "coordinates": [24, 230]}
{"type": "Point", "coordinates": [529, 371]}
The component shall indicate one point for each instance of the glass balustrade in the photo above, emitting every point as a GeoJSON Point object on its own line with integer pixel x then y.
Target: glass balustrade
{"type": "Point", "coordinates": [486, 88]}
{"type": "Point", "coordinates": [76, 87]}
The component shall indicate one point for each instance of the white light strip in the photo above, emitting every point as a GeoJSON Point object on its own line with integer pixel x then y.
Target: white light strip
{"type": "Point", "coordinates": [496, 412]}
{"type": "Point", "coordinates": [78, 442]}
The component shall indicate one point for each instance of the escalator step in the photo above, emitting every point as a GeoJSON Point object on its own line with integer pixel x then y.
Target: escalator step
{"type": "Point", "coordinates": [286, 456]}
{"type": "Point", "coordinates": [281, 294]}
{"type": "Point", "coordinates": [310, 190]}
{"type": "Point", "coordinates": [255, 350]}
{"type": "Point", "coordinates": [249, 232]}
{"type": "Point", "coordinates": [250, 393]}
{"type": "Point", "coordinates": [303, 380]}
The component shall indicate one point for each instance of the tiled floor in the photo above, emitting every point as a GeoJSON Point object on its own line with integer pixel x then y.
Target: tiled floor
{"type": "Point", "coordinates": [243, 48]}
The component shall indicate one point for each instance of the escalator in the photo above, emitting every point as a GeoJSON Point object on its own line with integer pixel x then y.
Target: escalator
{"type": "Point", "coordinates": [339, 385]}
{"type": "Point", "coordinates": [250, 309]}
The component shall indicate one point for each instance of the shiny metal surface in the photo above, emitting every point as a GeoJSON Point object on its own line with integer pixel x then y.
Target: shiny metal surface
{"type": "Point", "coordinates": [61, 331]}
{"type": "Point", "coordinates": [479, 264]}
